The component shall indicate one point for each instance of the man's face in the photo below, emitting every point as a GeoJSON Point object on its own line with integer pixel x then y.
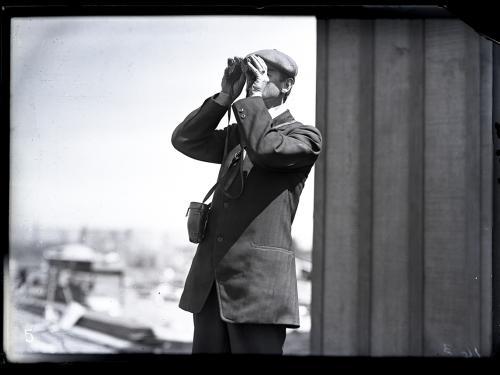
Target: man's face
{"type": "Point", "coordinates": [273, 87]}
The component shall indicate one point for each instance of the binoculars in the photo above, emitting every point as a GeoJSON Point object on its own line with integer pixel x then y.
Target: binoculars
{"type": "Point", "coordinates": [236, 68]}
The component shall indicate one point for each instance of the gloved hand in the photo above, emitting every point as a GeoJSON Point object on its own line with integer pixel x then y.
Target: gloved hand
{"type": "Point", "coordinates": [256, 72]}
{"type": "Point", "coordinates": [234, 78]}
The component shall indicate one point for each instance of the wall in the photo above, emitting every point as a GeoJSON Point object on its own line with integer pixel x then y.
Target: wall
{"type": "Point", "coordinates": [403, 196]}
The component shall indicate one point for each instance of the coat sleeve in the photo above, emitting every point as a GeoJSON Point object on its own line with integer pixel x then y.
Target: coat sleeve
{"type": "Point", "coordinates": [274, 148]}
{"type": "Point", "coordinates": [197, 136]}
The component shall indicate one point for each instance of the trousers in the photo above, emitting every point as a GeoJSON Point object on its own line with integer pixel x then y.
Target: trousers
{"type": "Point", "coordinates": [213, 335]}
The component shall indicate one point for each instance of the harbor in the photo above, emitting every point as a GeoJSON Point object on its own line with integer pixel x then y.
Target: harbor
{"type": "Point", "coordinates": [77, 299]}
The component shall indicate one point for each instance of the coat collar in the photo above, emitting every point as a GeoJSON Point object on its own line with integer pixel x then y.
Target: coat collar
{"type": "Point", "coordinates": [278, 110]}
{"type": "Point", "coordinates": [283, 118]}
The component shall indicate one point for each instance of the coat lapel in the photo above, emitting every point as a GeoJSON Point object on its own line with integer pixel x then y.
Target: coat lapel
{"type": "Point", "coordinates": [232, 182]}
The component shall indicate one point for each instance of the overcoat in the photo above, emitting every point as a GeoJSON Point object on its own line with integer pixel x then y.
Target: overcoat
{"type": "Point", "coordinates": [247, 249]}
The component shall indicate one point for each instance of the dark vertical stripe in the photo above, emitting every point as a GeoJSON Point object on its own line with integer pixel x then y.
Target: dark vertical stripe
{"type": "Point", "coordinates": [486, 167]}
{"type": "Point", "coordinates": [396, 133]}
{"type": "Point", "coordinates": [365, 183]}
{"type": "Point", "coordinates": [495, 132]}
{"type": "Point", "coordinates": [451, 189]}
{"type": "Point", "coordinates": [473, 188]}
{"type": "Point", "coordinates": [346, 125]}
{"type": "Point", "coordinates": [416, 189]}
{"type": "Point", "coordinates": [318, 254]}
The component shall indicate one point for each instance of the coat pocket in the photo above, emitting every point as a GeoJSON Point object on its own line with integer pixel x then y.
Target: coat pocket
{"type": "Point", "coordinates": [258, 284]}
{"type": "Point", "coordinates": [270, 248]}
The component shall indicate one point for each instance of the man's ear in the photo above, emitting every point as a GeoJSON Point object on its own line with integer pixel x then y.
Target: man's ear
{"type": "Point", "coordinates": [287, 85]}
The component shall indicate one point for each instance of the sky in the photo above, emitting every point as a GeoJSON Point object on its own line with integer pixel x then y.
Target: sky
{"type": "Point", "coordinates": [94, 102]}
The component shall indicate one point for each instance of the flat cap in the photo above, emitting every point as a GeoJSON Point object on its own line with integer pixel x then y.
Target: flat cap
{"type": "Point", "coordinates": [280, 60]}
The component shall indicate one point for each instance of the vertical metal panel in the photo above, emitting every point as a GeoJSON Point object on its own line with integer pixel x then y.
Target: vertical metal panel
{"type": "Point", "coordinates": [473, 192]}
{"type": "Point", "coordinates": [365, 183]}
{"type": "Point", "coordinates": [349, 125]}
{"type": "Point", "coordinates": [496, 200]}
{"type": "Point", "coordinates": [402, 251]}
{"type": "Point", "coordinates": [416, 190]}
{"type": "Point", "coordinates": [451, 202]}
{"type": "Point", "coordinates": [395, 54]}
{"type": "Point", "coordinates": [318, 270]}
{"type": "Point", "coordinates": [486, 167]}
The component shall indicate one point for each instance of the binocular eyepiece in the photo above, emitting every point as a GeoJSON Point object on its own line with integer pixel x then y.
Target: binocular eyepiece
{"type": "Point", "coordinates": [236, 67]}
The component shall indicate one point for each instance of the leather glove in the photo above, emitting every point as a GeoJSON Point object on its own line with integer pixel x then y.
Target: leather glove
{"type": "Point", "coordinates": [258, 69]}
{"type": "Point", "coordinates": [233, 79]}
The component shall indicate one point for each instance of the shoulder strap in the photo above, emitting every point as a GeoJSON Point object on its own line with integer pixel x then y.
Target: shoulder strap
{"type": "Point", "coordinates": [212, 189]}
{"type": "Point", "coordinates": [242, 178]}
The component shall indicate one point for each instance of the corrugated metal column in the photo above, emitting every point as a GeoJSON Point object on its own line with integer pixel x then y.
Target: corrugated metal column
{"type": "Point", "coordinates": [398, 188]}
{"type": "Point", "coordinates": [496, 219]}
{"type": "Point", "coordinates": [318, 255]}
{"type": "Point", "coordinates": [487, 180]}
{"type": "Point", "coordinates": [402, 251]}
{"type": "Point", "coordinates": [452, 201]}
{"type": "Point", "coordinates": [342, 253]}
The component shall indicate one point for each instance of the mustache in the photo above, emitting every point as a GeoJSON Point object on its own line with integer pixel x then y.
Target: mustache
{"type": "Point", "coordinates": [249, 82]}
{"type": "Point", "coordinates": [269, 90]}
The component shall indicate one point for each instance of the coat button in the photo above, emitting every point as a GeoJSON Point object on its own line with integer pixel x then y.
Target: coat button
{"type": "Point", "coordinates": [226, 204]}
{"type": "Point", "coordinates": [220, 238]}
{"type": "Point", "coordinates": [243, 115]}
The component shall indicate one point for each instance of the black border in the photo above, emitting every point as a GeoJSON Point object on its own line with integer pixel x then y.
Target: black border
{"type": "Point", "coordinates": [483, 20]}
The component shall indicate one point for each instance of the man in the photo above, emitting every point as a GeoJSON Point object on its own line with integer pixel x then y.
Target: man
{"type": "Point", "coordinates": [242, 287]}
